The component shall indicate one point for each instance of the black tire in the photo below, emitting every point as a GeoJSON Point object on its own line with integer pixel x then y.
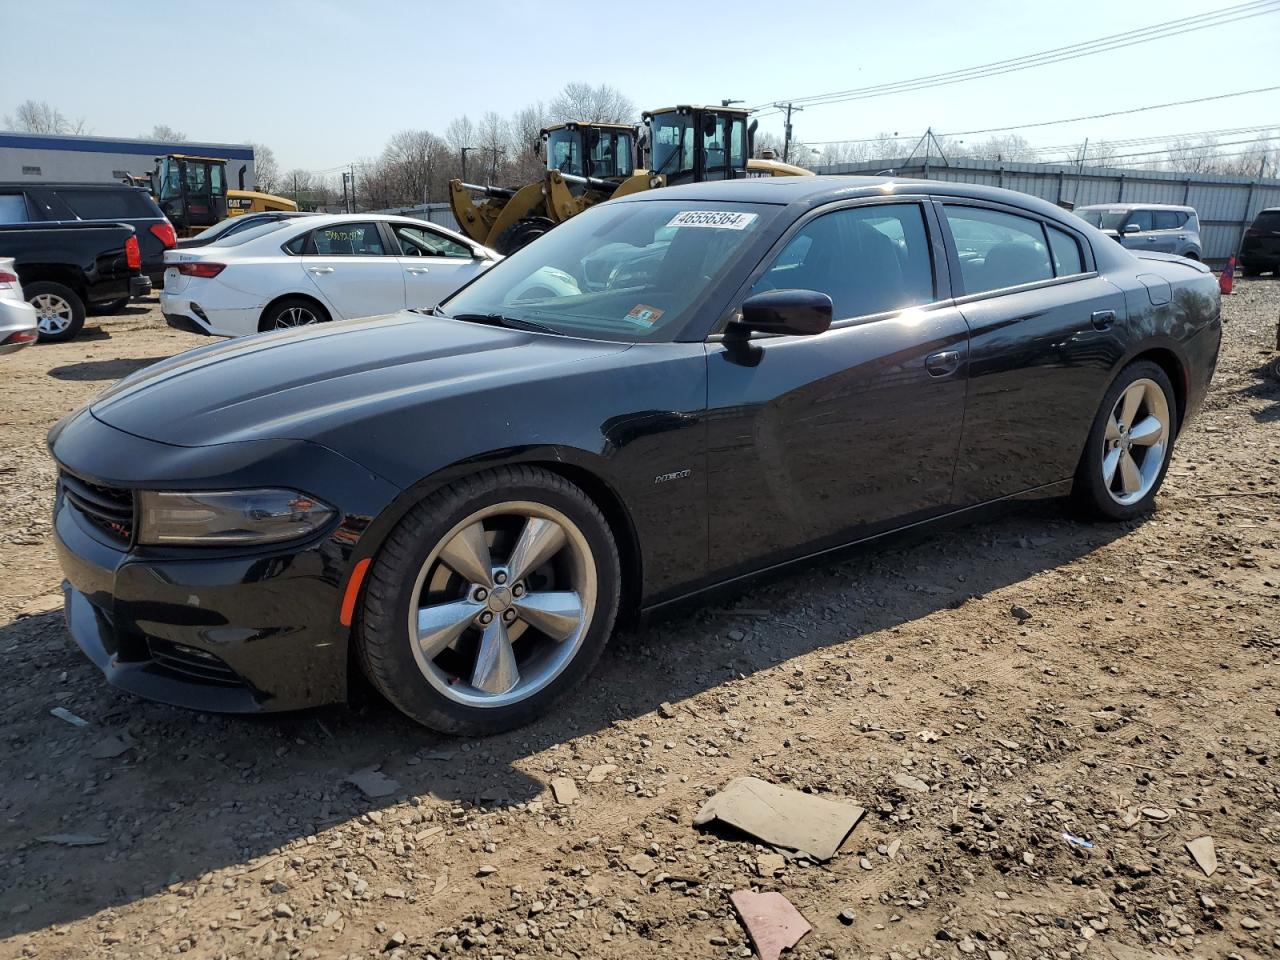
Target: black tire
{"type": "Point", "coordinates": [382, 632]}
{"type": "Point", "coordinates": [277, 315]}
{"type": "Point", "coordinates": [1251, 270]}
{"type": "Point", "coordinates": [1091, 490]}
{"type": "Point", "coordinates": [46, 295]}
{"type": "Point", "coordinates": [109, 308]}
{"type": "Point", "coordinates": [521, 234]}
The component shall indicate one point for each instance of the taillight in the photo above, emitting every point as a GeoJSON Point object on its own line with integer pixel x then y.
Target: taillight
{"type": "Point", "coordinates": [7, 280]}
{"type": "Point", "coordinates": [165, 233]}
{"type": "Point", "coordinates": [22, 336]}
{"type": "Point", "coordinates": [201, 269]}
{"type": "Point", "coordinates": [133, 254]}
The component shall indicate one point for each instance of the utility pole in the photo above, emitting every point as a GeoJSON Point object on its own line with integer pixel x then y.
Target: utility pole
{"type": "Point", "coordinates": [786, 138]}
{"type": "Point", "coordinates": [463, 151]}
{"type": "Point", "coordinates": [353, 188]}
{"type": "Point", "coordinates": [346, 201]}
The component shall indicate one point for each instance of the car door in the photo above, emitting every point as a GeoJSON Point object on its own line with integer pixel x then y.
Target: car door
{"type": "Point", "coordinates": [1167, 234]}
{"type": "Point", "coordinates": [1043, 339]}
{"type": "Point", "coordinates": [1142, 238]}
{"type": "Point", "coordinates": [351, 267]}
{"type": "Point", "coordinates": [433, 263]}
{"type": "Point", "coordinates": [819, 440]}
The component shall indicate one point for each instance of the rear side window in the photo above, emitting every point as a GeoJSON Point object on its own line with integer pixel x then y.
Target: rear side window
{"type": "Point", "coordinates": [1169, 219]}
{"type": "Point", "coordinates": [1267, 220]}
{"type": "Point", "coordinates": [996, 249]}
{"type": "Point", "coordinates": [124, 204]}
{"type": "Point", "coordinates": [347, 240]}
{"type": "Point", "coordinates": [13, 208]}
{"type": "Point", "coordinates": [1066, 253]}
{"type": "Point", "coordinates": [866, 259]}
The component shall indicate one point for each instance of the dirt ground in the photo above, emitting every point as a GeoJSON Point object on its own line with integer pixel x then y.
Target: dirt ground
{"type": "Point", "coordinates": [981, 692]}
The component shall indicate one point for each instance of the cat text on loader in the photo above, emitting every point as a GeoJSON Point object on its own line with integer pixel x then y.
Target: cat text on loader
{"type": "Point", "coordinates": [588, 163]}
{"type": "Point", "coordinates": [192, 191]}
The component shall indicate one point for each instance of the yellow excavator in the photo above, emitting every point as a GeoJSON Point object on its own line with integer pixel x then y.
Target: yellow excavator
{"type": "Point", "coordinates": [193, 192]}
{"type": "Point", "coordinates": [588, 163]}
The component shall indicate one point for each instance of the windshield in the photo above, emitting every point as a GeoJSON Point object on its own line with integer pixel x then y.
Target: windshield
{"type": "Point", "coordinates": [610, 153]}
{"type": "Point", "coordinates": [619, 271]}
{"type": "Point", "coordinates": [672, 144]}
{"type": "Point", "coordinates": [1104, 218]}
{"type": "Point", "coordinates": [564, 152]}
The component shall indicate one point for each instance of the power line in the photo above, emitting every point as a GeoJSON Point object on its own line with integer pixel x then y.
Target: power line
{"type": "Point", "coordinates": [1085, 48]}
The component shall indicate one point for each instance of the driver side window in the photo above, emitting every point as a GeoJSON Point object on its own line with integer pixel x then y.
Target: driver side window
{"type": "Point", "coordinates": [868, 260]}
{"type": "Point", "coordinates": [418, 241]}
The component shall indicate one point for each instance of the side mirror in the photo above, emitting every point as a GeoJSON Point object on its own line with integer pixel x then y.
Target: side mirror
{"type": "Point", "coordinates": [794, 312]}
{"type": "Point", "coordinates": [1132, 228]}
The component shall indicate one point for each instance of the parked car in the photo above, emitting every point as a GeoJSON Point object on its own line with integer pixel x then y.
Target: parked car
{"type": "Point", "coordinates": [95, 202]}
{"type": "Point", "coordinates": [296, 272]}
{"type": "Point", "coordinates": [17, 317]}
{"type": "Point", "coordinates": [64, 268]}
{"type": "Point", "coordinates": [462, 502]}
{"type": "Point", "coordinates": [237, 224]}
{"type": "Point", "coordinates": [1148, 226]}
{"type": "Point", "coordinates": [1260, 248]}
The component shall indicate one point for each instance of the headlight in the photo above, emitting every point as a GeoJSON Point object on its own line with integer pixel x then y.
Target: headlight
{"type": "Point", "coordinates": [228, 516]}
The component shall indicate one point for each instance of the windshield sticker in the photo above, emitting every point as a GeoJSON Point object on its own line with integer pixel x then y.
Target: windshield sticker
{"type": "Point", "coordinates": [644, 314]}
{"type": "Point", "coordinates": [718, 219]}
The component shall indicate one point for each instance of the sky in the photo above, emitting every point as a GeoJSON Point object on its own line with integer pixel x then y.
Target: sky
{"type": "Point", "coordinates": [324, 83]}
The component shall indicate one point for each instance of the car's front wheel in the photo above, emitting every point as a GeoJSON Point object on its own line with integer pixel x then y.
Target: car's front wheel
{"type": "Point", "coordinates": [490, 600]}
{"type": "Point", "coordinates": [1125, 459]}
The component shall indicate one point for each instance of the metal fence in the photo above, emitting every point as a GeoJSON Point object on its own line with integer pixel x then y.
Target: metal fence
{"type": "Point", "coordinates": [440, 213]}
{"type": "Point", "coordinates": [1225, 205]}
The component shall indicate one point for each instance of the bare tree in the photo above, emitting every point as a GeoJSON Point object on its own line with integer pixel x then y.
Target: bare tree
{"type": "Point", "coordinates": [582, 101]}
{"type": "Point", "coordinates": [492, 139]}
{"type": "Point", "coordinates": [162, 131]}
{"type": "Point", "coordinates": [411, 164]}
{"type": "Point", "coordinates": [40, 116]}
{"type": "Point", "coordinates": [266, 172]}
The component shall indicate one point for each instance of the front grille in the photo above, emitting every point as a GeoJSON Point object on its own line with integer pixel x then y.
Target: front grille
{"type": "Point", "coordinates": [192, 664]}
{"type": "Point", "coordinates": [110, 509]}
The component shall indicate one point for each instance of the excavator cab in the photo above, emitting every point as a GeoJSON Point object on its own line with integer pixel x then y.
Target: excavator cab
{"type": "Point", "coordinates": [606, 151]}
{"type": "Point", "coordinates": [690, 144]}
{"type": "Point", "coordinates": [192, 191]}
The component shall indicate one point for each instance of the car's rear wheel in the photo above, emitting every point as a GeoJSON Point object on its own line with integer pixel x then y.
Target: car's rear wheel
{"type": "Point", "coordinates": [1127, 455]}
{"type": "Point", "coordinates": [490, 600]}
{"type": "Point", "coordinates": [292, 312]}
{"type": "Point", "coordinates": [110, 307]}
{"type": "Point", "coordinates": [1251, 269]}
{"type": "Point", "coordinates": [59, 310]}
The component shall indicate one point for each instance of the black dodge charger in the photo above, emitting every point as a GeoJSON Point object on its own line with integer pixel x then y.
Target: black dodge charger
{"type": "Point", "coordinates": [668, 392]}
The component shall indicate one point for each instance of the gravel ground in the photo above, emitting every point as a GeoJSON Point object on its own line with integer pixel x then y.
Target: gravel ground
{"type": "Point", "coordinates": [980, 693]}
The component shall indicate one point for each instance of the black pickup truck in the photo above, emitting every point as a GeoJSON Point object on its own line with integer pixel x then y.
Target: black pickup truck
{"type": "Point", "coordinates": [65, 267]}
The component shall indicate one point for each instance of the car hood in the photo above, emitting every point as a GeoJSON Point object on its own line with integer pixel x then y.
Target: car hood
{"type": "Point", "coordinates": [298, 384]}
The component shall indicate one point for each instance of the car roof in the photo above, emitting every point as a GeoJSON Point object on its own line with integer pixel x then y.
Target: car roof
{"type": "Point", "coordinates": [1135, 205]}
{"type": "Point", "coordinates": [63, 185]}
{"type": "Point", "coordinates": [817, 191]}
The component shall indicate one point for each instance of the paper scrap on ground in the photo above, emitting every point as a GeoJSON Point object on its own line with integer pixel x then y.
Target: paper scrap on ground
{"type": "Point", "coordinates": [62, 713]}
{"type": "Point", "coordinates": [772, 922]}
{"type": "Point", "coordinates": [784, 818]}
{"type": "Point", "coordinates": [372, 783]}
{"type": "Point", "coordinates": [1206, 858]}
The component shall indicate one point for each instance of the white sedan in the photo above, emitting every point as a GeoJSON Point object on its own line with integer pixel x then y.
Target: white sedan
{"type": "Point", "coordinates": [296, 272]}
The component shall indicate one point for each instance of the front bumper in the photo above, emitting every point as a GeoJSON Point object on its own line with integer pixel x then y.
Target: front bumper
{"type": "Point", "coordinates": [228, 629]}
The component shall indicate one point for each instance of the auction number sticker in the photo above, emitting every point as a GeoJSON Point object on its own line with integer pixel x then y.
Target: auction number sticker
{"type": "Point", "coordinates": [716, 219]}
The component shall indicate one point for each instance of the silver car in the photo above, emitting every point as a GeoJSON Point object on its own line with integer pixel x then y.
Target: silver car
{"type": "Point", "coordinates": [1148, 226]}
{"type": "Point", "coordinates": [17, 317]}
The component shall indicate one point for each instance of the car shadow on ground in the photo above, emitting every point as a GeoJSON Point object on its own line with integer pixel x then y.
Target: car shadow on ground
{"type": "Point", "coordinates": [198, 792]}
{"type": "Point", "coordinates": [1266, 387]}
{"type": "Point", "coordinates": [102, 369]}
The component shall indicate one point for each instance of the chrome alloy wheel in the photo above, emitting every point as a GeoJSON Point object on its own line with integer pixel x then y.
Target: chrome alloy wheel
{"type": "Point", "coordinates": [502, 604]}
{"type": "Point", "coordinates": [296, 317]}
{"type": "Point", "coordinates": [53, 314]}
{"type": "Point", "coordinates": [1136, 442]}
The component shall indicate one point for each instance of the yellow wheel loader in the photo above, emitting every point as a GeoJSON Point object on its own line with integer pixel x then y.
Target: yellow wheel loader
{"type": "Point", "coordinates": [193, 193]}
{"type": "Point", "coordinates": [588, 163]}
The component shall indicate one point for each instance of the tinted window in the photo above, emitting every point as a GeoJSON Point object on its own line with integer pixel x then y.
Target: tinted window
{"type": "Point", "coordinates": [997, 249]}
{"type": "Point", "coordinates": [13, 208]}
{"type": "Point", "coordinates": [1267, 220]}
{"type": "Point", "coordinates": [1141, 217]}
{"type": "Point", "coordinates": [297, 244]}
{"type": "Point", "coordinates": [866, 259]}
{"type": "Point", "coordinates": [419, 241]}
{"type": "Point", "coordinates": [1169, 219]}
{"type": "Point", "coordinates": [1066, 253]}
{"type": "Point", "coordinates": [124, 204]}
{"type": "Point", "coordinates": [347, 240]}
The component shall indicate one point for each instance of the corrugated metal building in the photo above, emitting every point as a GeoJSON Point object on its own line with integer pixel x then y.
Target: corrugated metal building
{"type": "Point", "coordinates": [1226, 205]}
{"type": "Point", "coordinates": [36, 157]}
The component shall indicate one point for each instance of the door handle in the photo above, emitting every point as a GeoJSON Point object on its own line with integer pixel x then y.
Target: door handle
{"type": "Point", "coordinates": [1152, 239]}
{"type": "Point", "coordinates": [319, 271]}
{"type": "Point", "coordinates": [942, 363]}
{"type": "Point", "coordinates": [1102, 319]}
{"type": "Point", "coordinates": [417, 270]}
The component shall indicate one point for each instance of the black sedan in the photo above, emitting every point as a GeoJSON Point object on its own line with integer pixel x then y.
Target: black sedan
{"type": "Point", "coordinates": [667, 393]}
{"type": "Point", "coordinates": [238, 224]}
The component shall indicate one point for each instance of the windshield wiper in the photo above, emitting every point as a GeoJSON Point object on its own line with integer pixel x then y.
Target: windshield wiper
{"type": "Point", "coordinates": [500, 320]}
